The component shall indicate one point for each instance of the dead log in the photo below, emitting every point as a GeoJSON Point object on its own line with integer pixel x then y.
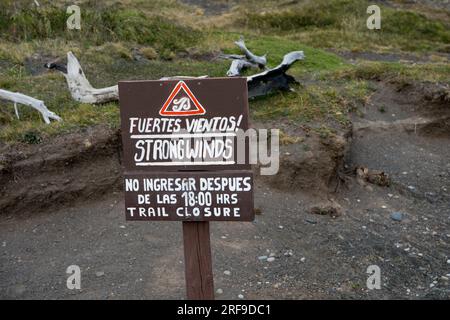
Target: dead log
{"type": "Point", "coordinates": [20, 98]}
{"type": "Point", "coordinates": [274, 79]}
{"type": "Point", "coordinates": [80, 88]}
{"type": "Point", "coordinates": [237, 66]}
{"type": "Point", "coordinates": [261, 61]}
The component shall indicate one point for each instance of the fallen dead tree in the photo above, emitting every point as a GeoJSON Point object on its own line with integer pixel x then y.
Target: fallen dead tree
{"type": "Point", "coordinates": [267, 81]}
{"type": "Point", "coordinates": [245, 61]}
{"type": "Point", "coordinates": [20, 98]}
{"type": "Point", "coordinates": [274, 79]}
{"type": "Point", "coordinates": [79, 86]}
{"type": "Point", "coordinates": [237, 66]}
{"type": "Point", "coordinates": [261, 61]}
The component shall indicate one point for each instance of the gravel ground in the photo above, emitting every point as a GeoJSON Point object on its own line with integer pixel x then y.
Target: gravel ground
{"type": "Point", "coordinates": [315, 256]}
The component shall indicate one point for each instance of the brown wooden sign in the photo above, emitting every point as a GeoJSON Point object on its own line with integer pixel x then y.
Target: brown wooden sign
{"type": "Point", "coordinates": [173, 129]}
{"type": "Point", "coordinates": [181, 161]}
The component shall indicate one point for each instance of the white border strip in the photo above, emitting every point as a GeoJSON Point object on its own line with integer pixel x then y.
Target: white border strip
{"type": "Point", "coordinates": [185, 163]}
{"type": "Point", "coordinates": [183, 135]}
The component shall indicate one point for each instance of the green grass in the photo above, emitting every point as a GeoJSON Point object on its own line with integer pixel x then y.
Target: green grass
{"type": "Point", "coordinates": [105, 24]}
{"type": "Point", "coordinates": [322, 102]}
{"type": "Point", "coordinates": [341, 24]}
{"type": "Point", "coordinates": [395, 72]}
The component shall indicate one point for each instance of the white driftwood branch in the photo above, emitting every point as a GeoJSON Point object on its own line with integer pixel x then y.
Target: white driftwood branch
{"type": "Point", "coordinates": [182, 78]}
{"type": "Point", "coordinates": [259, 60]}
{"type": "Point", "coordinates": [80, 88]}
{"type": "Point", "coordinates": [237, 66]}
{"type": "Point", "coordinates": [82, 91]}
{"type": "Point", "coordinates": [20, 98]}
{"type": "Point", "coordinates": [288, 60]}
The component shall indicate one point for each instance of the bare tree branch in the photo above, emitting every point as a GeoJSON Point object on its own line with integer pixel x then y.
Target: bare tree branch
{"type": "Point", "coordinates": [237, 66]}
{"type": "Point", "coordinates": [261, 61]}
{"type": "Point", "coordinates": [20, 98]}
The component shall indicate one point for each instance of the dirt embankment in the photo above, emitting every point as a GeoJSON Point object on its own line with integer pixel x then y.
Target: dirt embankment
{"type": "Point", "coordinates": [66, 168]}
{"type": "Point", "coordinates": [80, 165]}
{"type": "Point", "coordinates": [311, 165]}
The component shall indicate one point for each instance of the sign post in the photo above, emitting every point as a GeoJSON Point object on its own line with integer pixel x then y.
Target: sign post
{"type": "Point", "coordinates": [198, 262]}
{"type": "Point", "coordinates": [184, 161]}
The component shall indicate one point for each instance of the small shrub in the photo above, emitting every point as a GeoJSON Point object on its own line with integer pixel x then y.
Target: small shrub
{"type": "Point", "coordinates": [31, 137]}
{"type": "Point", "coordinates": [149, 53]}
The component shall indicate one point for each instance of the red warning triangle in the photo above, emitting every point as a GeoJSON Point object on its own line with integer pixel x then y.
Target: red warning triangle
{"type": "Point", "coordinates": [181, 102]}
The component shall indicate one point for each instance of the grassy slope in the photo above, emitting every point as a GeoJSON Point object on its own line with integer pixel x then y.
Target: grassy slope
{"type": "Point", "coordinates": [112, 34]}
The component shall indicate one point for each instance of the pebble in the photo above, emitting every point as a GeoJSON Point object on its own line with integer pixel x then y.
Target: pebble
{"type": "Point", "coordinates": [411, 188]}
{"type": "Point", "coordinates": [444, 278]}
{"type": "Point", "coordinates": [303, 259]}
{"type": "Point", "coordinates": [289, 253]}
{"type": "Point", "coordinates": [270, 259]}
{"type": "Point", "coordinates": [397, 216]}
{"type": "Point", "coordinates": [262, 258]}
{"type": "Point", "coordinates": [240, 296]}
{"type": "Point", "coordinates": [227, 272]}
{"type": "Point", "coordinates": [122, 227]}
{"type": "Point", "coordinates": [448, 261]}
{"type": "Point", "coordinates": [219, 291]}
{"type": "Point", "coordinates": [99, 274]}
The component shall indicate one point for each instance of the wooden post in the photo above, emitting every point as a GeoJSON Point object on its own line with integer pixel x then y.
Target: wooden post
{"type": "Point", "coordinates": [198, 263]}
